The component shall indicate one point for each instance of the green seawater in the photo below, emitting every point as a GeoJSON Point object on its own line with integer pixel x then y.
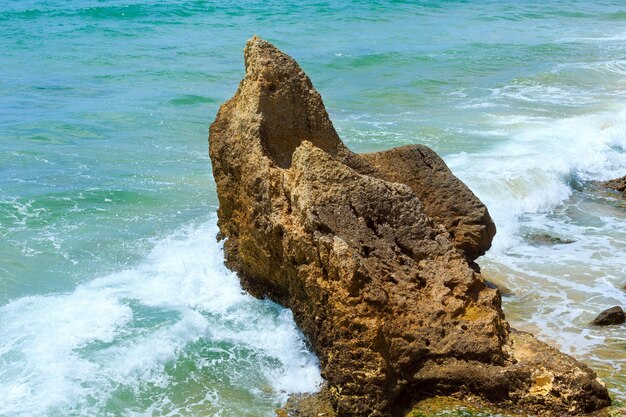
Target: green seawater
{"type": "Point", "coordinates": [114, 300]}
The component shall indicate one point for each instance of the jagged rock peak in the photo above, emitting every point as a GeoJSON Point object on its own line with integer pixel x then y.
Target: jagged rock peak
{"type": "Point", "coordinates": [290, 111]}
{"type": "Point", "coordinates": [374, 255]}
{"type": "Point", "coordinates": [290, 108]}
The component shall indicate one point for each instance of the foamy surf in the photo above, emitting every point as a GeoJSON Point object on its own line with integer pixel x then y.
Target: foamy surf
{"type": "Point", "coordinates": [174, 334]}
{"type": "Point", "coordinates": [534, 169]}
{"type": "Point", "coordinates": [561, 242]}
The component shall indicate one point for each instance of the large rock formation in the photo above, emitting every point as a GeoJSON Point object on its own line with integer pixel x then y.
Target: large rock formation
{"type": "Point", "coordinates": [374, 254]}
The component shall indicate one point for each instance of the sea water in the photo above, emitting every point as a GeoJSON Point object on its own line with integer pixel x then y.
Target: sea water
{"type": "Point", "coordinates": [114, 300]}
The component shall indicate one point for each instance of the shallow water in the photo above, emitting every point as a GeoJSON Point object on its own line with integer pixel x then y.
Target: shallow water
{"type": "Point", "coordinates": [113, 296]}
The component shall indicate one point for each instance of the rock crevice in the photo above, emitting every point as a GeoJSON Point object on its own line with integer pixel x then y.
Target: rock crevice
{"type": "Point", "coordinates": [374, 255]}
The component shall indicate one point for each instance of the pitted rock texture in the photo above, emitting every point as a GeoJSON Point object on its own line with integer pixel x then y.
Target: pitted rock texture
{"type": "Point", "coordinates": [374, 254]}
{"type": "Point", "coordinates": [445, 198]}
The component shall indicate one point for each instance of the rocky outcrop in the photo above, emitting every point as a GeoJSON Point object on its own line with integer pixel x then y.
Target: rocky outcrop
{"type": "Point", "coordinates": [618, 184]}
{"type": "Point", "coordinates": [444, 197]}
{"type": "Point", "coordinates": [373, 253]}
{"type": "Point", "coordinates": [613, 315]}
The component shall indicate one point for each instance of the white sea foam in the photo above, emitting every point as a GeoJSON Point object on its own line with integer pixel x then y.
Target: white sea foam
{"type": "Point", "coordinates": [67, 353]}
{"type": "Point", "coordinates": [527, 184]}
{"type": "Point", "coordinates": [537, 93]}
{"type": "Point", "coordinates": [612, 67]}
{"type": "Point", "coordinates": [612, 38]}
{"type": "Point", "coordinates": [532, 172]}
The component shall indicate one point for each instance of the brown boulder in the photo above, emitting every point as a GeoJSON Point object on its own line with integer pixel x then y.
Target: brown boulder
{"type": "Point", "coordinates": [613, 315]}
{"type": "Point", "coordinates": [372, 253]}
{"type": "Point", "coordinates": [618, 184]}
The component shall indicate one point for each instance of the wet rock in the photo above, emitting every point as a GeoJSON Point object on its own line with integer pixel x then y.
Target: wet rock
{"type": "Point", "coordinates": [546, 239]}
{"type": "Point", "coordinates": [618, 184]}
{"type": "Point", "coordinates": [504, 290]}
{"type": "Point", "coordinates": [374, 263]}
{"type": "Point", "coordinates": [308, 405]}
{"type": "Point", "coordinates": [613, 315]}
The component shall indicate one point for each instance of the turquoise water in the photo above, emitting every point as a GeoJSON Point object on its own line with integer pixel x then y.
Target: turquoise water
{"type": "Point", "coordinates": [113, 297]}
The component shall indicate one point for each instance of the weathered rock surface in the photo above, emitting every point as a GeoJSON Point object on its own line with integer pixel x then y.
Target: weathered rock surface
{"type": "Point", "coordinates": [618, 184]}
{"type": "Point", "coordinates": [613, 315]}
{"type": "Point", "coordinates": [373, 254]}
{"type": "Point", "coordinates": [445, 198]}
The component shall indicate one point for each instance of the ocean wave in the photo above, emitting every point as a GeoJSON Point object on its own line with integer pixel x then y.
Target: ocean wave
{"type": "Point", "coordinates": [150, 330]}
{"type": "Point", "coordinates": [533, 171]}
{"type": "Point", "coordinates": [537, 183]}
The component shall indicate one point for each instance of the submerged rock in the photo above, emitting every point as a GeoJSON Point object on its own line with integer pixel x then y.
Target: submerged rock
{"type": "Point", "coordinates": [373, 253]}
{"type": "Point", "coordinates": [546, 239]}
{"type": "Point", "coordinates": [618, 184]}
{"type": "Point", "coordinates": [613, 315]}
{"type": "Point", "coordinates": [307, 405]}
